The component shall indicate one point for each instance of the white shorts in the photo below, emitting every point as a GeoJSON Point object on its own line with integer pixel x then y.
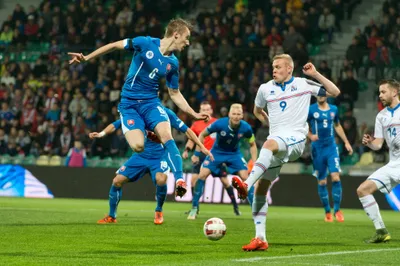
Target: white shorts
{"type": "Point", "coordinates": [291, 146]}
{"type": "Point", "coordinates": [386, 178]}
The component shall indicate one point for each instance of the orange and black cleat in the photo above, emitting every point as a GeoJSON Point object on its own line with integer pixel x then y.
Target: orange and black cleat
{"type": "Point", "coordinates": [158, 218]}
{"type": "Point", "coordinates": [328, 217]}
{"type": "Point", "coordinates": [240, 186]}
{"type": "Point", "coordinates": [256, 244]}
{"type": "Point", "coordinates": [180, 189]}
{"type": "Point", "coordinates": [339, 216]}
{"type": "Point", "coordinates": [107, 220]}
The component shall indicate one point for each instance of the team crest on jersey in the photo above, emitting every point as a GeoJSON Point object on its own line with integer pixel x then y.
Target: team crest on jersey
{"type": "Point", "coordinates": [206, 162]}
{"type": "Point", "coordinates": [122, 168]}
{"type": "Point", "coordinates": [294, 88]}
{"type": "Point", "coordinates": [332, 115]}
{"type": "Point", "coordinates": [131, 122]}
{"type": "Point", "coordinates": [149, 54]}
{"type": "Point", "coordinates": [316, 115]}
{"type": "Point", "coordinates": [169, 67]}
{"type": "Point", "coordinates": [240, 135]}
{"type": "Point", "coordinates": [272, 93]}
{"type": "Point", "coordinates": [223, 133]}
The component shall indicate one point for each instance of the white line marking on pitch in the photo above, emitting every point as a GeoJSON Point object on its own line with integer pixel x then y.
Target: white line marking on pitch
{"type": "Point", "coordinates": [316, 254]}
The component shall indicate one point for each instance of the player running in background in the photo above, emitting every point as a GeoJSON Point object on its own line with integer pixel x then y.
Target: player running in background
{"type": "Point", "coordinates": [198, 157]}
{"type": "Point", "coordinates": [229, 131]}
{"type": "Point", "coordinates": [324, 119]}
{"type": "Point", "coordinates": [387, 128]}
{"type": "Point", "coordinates": [140, 108]}
{"type": "Point", "coordinates": [152, 160]}
{"type": "Point", "coordinates": [288, 100]}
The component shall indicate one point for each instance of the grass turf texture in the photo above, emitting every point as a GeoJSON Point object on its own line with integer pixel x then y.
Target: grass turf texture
{"type": "Point", "coordinates": [64, 232]}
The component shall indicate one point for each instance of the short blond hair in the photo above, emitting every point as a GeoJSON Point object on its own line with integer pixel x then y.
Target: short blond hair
{"type": "Point", "coordinates": [177, 25]}
{"type": "Point", "coordinates": [236, 106]}
{"type": "Point", "coordinates": [286, 57]}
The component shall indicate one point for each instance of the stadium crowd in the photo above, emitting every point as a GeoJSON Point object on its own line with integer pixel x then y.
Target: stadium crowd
{"type": "Point", "coordinates": [48, 104]}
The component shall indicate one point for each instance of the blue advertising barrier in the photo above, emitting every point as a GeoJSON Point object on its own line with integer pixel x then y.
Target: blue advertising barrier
{"type": "Point", "coordinates": [16, 181]}
{"type": "Point", "coordinates": [394, 198]}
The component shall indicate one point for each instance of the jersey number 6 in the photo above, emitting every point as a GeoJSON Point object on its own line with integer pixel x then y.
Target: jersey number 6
{"type": "Point", "coordinates": [283, 105]}
{"type": "Point", "coordinates": [153, 73]}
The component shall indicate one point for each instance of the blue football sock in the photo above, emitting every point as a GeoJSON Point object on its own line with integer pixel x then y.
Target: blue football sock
{"type": "Point", "coordinates": [323, 195]}
{"type": "Point", "coordinates": [114, 197]}
{"type": "Point", "coordinates": [250, 196]}
{"type": "Point", "coordinates": [232, 196]}
{"type": "Point", "coordinates": [161, 195]}
{"type": "Point", "coordinates": [198, 191]}
{"type": "Point", "coordinates": [336, 195]}
{"type": "Point", "coordinates": [174, 158]}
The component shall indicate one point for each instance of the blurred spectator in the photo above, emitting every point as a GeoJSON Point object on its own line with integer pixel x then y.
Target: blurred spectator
{"type": "Point", "coordinates": [76, 156]}
{"type": "Point", "coordinates": [326, 23]}
{"type": "Point", "coordinates": [291, 40]}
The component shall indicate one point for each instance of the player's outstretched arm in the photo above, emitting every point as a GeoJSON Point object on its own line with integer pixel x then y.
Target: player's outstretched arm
{"type": "Point", "coordinates": [188, 147]}
{"type": "Point", "coordinates": [339, 130]}
{"type": "Point", "coordinates": [253, 148]}
{"type": "Point", "coordinates": [79, 57]}
{"type": "Point", "coordinates": [180, 101]}
{"type": "Point", "coordinates": [310, 70]}
{"type": "Point", "coordinates": [261, 115]}
{"type": "Point", "coordinates": [199, 142]}
{"type": "Point", "coordinates": [107, 131]}
{"type": "Point", "coordinates": [372, 143]}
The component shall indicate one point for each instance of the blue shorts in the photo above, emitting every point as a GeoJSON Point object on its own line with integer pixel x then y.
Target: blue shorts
{"type": "Point", "coordinates": [141, 114]}
{"type": "Point", "coordinates": [325, 158]}
{"type": "Point", "coordinates": [196, 167]}
{"type": "Point", "coordinates": [234, 161]}
{"type": "Point", "coordinates": [136, 167]}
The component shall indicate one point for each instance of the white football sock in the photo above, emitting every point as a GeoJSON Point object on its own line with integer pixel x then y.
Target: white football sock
{"type": "Point", "coordinates": [372, 209]}
{"type": "Point", "coordinates": [260, 167]}
{"type": "Point", "coordinates": [260, 209]}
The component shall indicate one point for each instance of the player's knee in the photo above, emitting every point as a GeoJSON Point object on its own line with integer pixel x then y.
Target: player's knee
{"type": "Point", "coordinates": [271, 145]}
{"type": "Point", "coordinates": [137, 147]}
{"type": "Point", "coordinates": [118, 182]}
{"type": "Point", "coordinates": [161, 179]}
{"type": "Point", "coordinates": [225, 182]}
{"type": "Point", "coordinates": [335, 177]}
{"type": "Point", "coordinates": [261, 187]}
{"type": "Point", "coordinates": [363, 190]}
{"type": "Point", "coordinates": [322, 182]}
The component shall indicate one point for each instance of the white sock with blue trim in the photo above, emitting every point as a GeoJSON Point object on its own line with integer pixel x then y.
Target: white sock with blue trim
{"type": "Point", "coordinates": [260, 167]}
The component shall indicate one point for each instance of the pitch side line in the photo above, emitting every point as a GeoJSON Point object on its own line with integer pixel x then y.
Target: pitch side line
{"type": "Point", "coordinates": [316, 255]}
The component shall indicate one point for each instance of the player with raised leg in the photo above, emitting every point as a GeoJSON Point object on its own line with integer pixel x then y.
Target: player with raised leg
{"type": "Point", "coordinates": [323, 118]}
{"type": "Point", "coordinates": [288, 101]}
{"type": "Point", "coordinates": [140, 108]}
{"type": "Point", "coordinates": [152, 160]}
{"type": "Point", "coordinates": [387, 128]}
{"type": "Point", "coordinates": [229, 131]}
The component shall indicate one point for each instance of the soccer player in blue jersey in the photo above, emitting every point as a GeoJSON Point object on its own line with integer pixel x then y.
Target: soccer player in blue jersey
{"type": "Point", "coordinates": [152, 160]}
{"type": "Point", "coordinates": [140, 108]}
{"type": "Point", "coordinates": [324, 120]}
{"type": "Point", "coordinates": [229, 131]}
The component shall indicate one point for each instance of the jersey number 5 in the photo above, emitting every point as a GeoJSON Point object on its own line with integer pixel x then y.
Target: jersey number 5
{"type": "Point", "coordinates": [153, 73]}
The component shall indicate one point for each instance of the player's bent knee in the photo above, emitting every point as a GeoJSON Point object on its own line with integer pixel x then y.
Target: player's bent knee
{"type": "Point", "coordinates": [368, 187]}
{"type": "Point", "coordinates": [261, 187]}
{"type": "Point", "coordinates": [335, 177]}
{"type": "Point", "coordinates": [119, 181]}
{"type": "Point", "coordinates": [161, 179]}
{"type": "Point", "coordinates": [271, 145]}
{"type": "Point", "coordinates": [137, 147]}
{"type": "Point", "coordinates": [322, 182]}
{"type": "Point", "coordinates": [225, 182]}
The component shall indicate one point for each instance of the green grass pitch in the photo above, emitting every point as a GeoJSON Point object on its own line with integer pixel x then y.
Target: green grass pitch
{"type": "Point", "coordinates": [64, 232]}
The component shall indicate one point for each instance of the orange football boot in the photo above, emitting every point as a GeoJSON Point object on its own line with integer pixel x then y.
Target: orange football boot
{"type": "Point", "coordinates": [107, 220]}
{"type": "Point", "coordinates": [158, 218]}
{"type": "Point", "coordinates": [256, 244]}
{"type": "Point", "coordinates": [328, 217]}
{"type": "Point", "coordinates": [240, 186]}
{"type": "Point", "coordinates": [339, 216]}
{"type": "Point", "coordinates": [180, 189]}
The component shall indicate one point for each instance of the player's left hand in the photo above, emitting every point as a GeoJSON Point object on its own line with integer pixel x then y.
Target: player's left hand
{"type": "Point", "coordinates": [310, 70]}
{"type": "Point", "coordinates": [202, 116]}
{"type": "Point", "coordinates": [77, 58]}
{"type": "Point", "coordinates": [94, 135]}
{"type": "Point", "coordinates": [208, 153]}
{"type": "Point", "coordinates": [349, 148]}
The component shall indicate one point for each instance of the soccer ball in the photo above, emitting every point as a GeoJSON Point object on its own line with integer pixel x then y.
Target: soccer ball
{"type": "Point", "coordinates": [214, 229]}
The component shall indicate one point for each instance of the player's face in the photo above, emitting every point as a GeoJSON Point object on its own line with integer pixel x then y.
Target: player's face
{"type": "Point", "coordinates": [235, 115]}
{"type": "Point", "coordinates": [321, 99]}
{"type": "Point", "coordinates": [206, 108]}
{"type": "Point", "coordinates": [386, 94]}
{"type": "Point", "coordinates": [281, 70]}
{"type": "Point", "coordinates": [182, 39]}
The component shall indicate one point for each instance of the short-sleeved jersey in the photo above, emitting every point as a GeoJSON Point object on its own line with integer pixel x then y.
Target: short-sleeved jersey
{"type": "Point", "coordinates": [288, 103]}
{"type": "Point", "coordinates": [322, 123]}
{"type": "Point", "coordinates": [199, 126]}
{"type": "Point", "coordinates": [148, 66]}
{"type": "Point", "coordinates": [387, 126]}
{"type": "Point", "coordinates": [228, 138]}
{"type": "Point", "coordinates": [154, 150]}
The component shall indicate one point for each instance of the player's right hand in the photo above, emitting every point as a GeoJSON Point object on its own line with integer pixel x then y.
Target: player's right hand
{"type": "Point", "coordinates": [195, 159]}
{"type": "Point", "coordinates": [202, 116]}
{"type": "Point", "coordinates": [77, 58]}
{"type": "Point", "coordinates": [185, 155]}
{"type": "Point", "coordinates": [94, 135]}
{"type": "Point", "coordinates": [367, 139]}
{"type": "Point", "coordinates": [313, 137]}
{"type": "Point", "coordinates": [208, 153]}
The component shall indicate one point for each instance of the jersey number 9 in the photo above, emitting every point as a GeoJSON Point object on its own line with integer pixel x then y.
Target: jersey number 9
{"type": "Point", "coordinates": [283, 105]}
